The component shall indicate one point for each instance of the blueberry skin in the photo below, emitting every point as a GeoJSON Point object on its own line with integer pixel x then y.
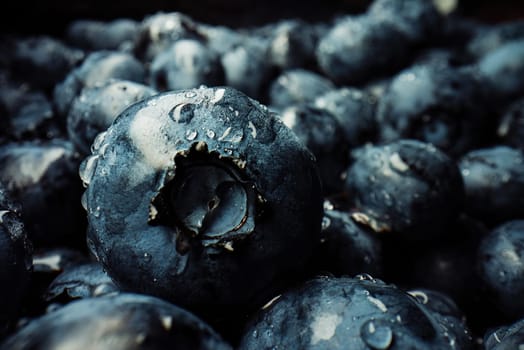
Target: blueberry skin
{"type": "Point", "coordinates": [488, 38]}
{"type": "Point", "coordinates": [117, 322]}
{"type": "Point", "coordinates": [95, 35]}
{"type": "Point", "coordinates": [43, 178]}
{"type": "Point", "coordinates": [322, 134]}
{"type": "Point", "coordinates": [348, 313]}
{"type": "Point", "coordinates": [292, 43]}
{"type": "Point", "coordinates": [500, 261]}
{"type": "Point", "coordinates": [97, 68]}
{"type": "Point", "coordinates": [160, 225]}
{"type": "Point", "coordinates": [160, 30]}
{"type": "Point", "coordinates": [186, 64]}
{"type": "Point", "coordinates": [436, 104]}
{"type": "Point", "coordinates": [80, 281]}
{"type": "Point", "coordinates": [346, 248]}
{"type": "Point", "coordinates": [296, 86]}
{"type": "Point", "coordinates": [248, 58]}
{"type": "Point", "coordinates": [359, 48]}
{"type": "Point", "coordinates": [355, 110]}
{"type": "Point", "coordinates": [42, 61]}
{"type": "Point", "coordinates": [417, 20]}
{"type": "Point", "coordinates": [501, 71]}
{"type": "Point", "coordinates": [408, 187]}
{"type": "Point", "coordinates": [494, 184]}
{"type": "Point", "coordinates": [510, 129]}
{"type": "Point", "coordinates": [28, 113]}
{"type": "Point", "coordinates": [15, 258]}
{"type": "Point", "coordinates": [505, 337]}
{"type": "Point", "coordinates": [96, 107]}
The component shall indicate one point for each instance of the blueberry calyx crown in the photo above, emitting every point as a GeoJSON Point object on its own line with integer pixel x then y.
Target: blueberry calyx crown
{"type": "Point", "coordinates": [209, 197]}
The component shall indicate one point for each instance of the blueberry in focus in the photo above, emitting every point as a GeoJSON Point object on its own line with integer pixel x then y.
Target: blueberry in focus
{"type": "Point", "coordinates": [408, 187]}
{"type": "Point", "coordinates": [98, 67]}
{"type": "Point", "coordinates": [349, 313]}
{"type": "Point", "coordinates": [116, 322]}
{"type": "Point", "coordinates": [186, 64]}
{"type": "Point", "coordinates": [202, 197]}
{"type": "Point", "coordinates": [15, 259]}
{"type": "Point", "coordinates": [43, 178]}
{"type": "Point", "coordinates": [500, 261]}
{"type": "Point", "coordinates": [97, 106]}
{"type": "Point", "coordinates": [322, 134]}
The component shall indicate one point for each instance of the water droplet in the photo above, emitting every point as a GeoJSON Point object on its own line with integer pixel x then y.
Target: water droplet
{"type": "Point", "coordinates": [191, 134]}
{"type": "Point", "coordinates": [328, 205]}
{"type": "Point", "coordinates": [228, 151]}
{"type": "Point", "coordinates": [465, 172]}
{"type": "Point", "coordinates": [387, 199]}
{"type": "Point", "coordinates": [182, 113]}
{"type": "Point", "coordinates": [147, 257]}
{"type": "Point", "coordinates": [96, 212]}
{"type": "Point", "coordinates": [210, 134]}
{"type": "Point", "coordinates": [87, 169]}
{"type": "Point", "coordinates": [237, 113]}
{"type": "Point", "coordinates": [326, 222]}
{"type": "Point", "coordinates": [190, 94]}
{"type": "Point", "coordinates": [155, 280]}
{"type": "Point", "coordinates": [376, 336]}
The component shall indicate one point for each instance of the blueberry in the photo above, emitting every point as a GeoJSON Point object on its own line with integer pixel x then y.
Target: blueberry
{"type": "Point", "coordinates": [42, 61]}
{"type": "Point", "coordinates": [501, 261]}
{"type": "Point", "coordinates": [322, 134]}
{"type": "Point", "coordinates": [417, 20]}
{"type": "Point", "coordinates": [355, 110]}
{"type": "Point", "coordinates": [408, 187]}
{"type": "Point", "coordinates": [221, 39]}
{"type": "Point", "coordinates": [190, 192]}
{"type": "Point", "coordinates": [435, 104]}
{"type": "Point", "coordinates": [187, 63]}
{"type": "Point", "coordinates": [494, 184]}
{"type": "Point", "coordinates": [97, 68]}
{"type": "Point", "coordinates": [346, 248]}
{"type": "Point", "coordinates": [97, 35]}
{"type": "Point", "coordinates": [488, 38]}
{"type": "Point", "coordinates": [511, 125]}
{"type": "Point", "coordinates": [249, 58]}
{"type": "Point", "coordinates": [28, 113]}
{"type": "Point", "coordinates": [117, 322]}
{"type": "Point", "coordinates": [501, 70]}
{"type": "Point", "coordinates": [160, 30]}
{"type": "Point", "coordinates": [505, 337]}
{"type": "Point", "coordinates": [42, 177]}
{"type": "Point", "coordinates": [297, 86]}
{"type": "Point", "coordinates": [291, 43]}
{"type": "Point", "coordinates": [80, 281]}
{"type": "Point", "coordinates": [349, 313]}
{"type": "Point", "coordinates": [359, 48]}
{"type": "Point", "coordinates": [96, 107]}
{"type": "Point", "coordinates": [15, 258]}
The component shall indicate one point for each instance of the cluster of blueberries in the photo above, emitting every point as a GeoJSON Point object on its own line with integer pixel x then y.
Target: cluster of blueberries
{"type": "Point", "coordinates": [357, 184]}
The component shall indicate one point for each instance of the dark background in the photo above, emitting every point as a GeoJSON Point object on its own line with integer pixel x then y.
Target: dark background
{"type": "Point", "coordinates": [52, 16]}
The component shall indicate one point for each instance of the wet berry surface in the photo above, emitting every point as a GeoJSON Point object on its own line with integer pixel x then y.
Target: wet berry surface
{"type": "Point", "coordinates": [351, 181]}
